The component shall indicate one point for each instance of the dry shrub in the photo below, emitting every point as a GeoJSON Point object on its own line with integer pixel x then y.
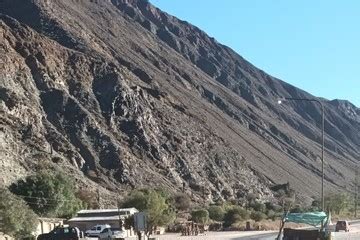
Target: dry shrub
{"type": "Point", "coordinates": [265, 225]}
{"type": "Point", "coordinates": [268, 225]}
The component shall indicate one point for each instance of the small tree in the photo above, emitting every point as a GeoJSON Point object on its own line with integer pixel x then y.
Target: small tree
{"type": "Point", "coordinates": [287, 203]}
{"type": "Point", "coordinates": [200, 216]}
{"type": "Point", "coordinates": [18, 219]}
{"type": "Point", "coordinates": [49, 194]}
{"type": "Point", "coordinates": [216, 213]}
{"type": "Point", "coordinates": [182, 202]}
{"type": "Point", "coordinates": [336, 202]}
{"type": "Point", "coordinates": [155, 204]}
{"type": "Point", "coordinates": [89, 198]}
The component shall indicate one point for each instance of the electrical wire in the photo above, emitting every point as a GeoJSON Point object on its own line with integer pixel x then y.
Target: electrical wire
{"type": "Point", "coordinates": [44, 198]}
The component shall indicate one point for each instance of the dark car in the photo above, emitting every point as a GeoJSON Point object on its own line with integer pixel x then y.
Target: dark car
{"type": "Point", "coordinates": [61, 233]}
{"type": "Point", "coordinates": [342, 226]}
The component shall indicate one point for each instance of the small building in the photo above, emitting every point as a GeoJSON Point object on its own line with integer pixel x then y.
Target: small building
{"type": "Point", "coordinates": [86, 219]}
{"type": "Point", "coordinates": [46, 225]}
{"type": "Point", "coordinates": [5, 237]}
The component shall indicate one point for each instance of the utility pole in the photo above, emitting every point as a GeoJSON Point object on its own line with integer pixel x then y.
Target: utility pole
{"type": "Point", "coordinates": [356, 189]}
{"type": "Point", "coordinates": [98, 198]}
{"type": "Point", "coordinates": [280, 101]}
{"type": "Point", "coordinates": [2, 222]}
{"type": "Point", "coordinates": [120, 220]}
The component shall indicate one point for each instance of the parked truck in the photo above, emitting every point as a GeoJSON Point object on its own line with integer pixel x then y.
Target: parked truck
{"type": "Point", "coordinates": [62, 233]}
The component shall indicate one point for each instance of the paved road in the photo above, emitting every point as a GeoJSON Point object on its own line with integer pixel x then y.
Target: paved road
{"type": "Point", "coordinates": [336, 236]}
{"type": "Point", "coordinates": [354, 234]}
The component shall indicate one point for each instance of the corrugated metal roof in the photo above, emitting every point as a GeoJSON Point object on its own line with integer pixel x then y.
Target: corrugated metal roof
{"type": "Point", "coordinates": [107, 210]}
{"type": "Point", "coordinates": [90, 219]}
{"type": "Point", "coordinates": [51, 219]}
{"type": "Point", "coordinates": [98, 212]}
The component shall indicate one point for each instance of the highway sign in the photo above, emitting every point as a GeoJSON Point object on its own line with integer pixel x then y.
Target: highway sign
{"type": "Point", "coordinates": [140, 221]}
{"type": "Point", "coordinates": [1, 223]}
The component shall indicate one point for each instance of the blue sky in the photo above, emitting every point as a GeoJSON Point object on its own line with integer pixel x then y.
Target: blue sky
{"type": "Point", "coordinates": [312, 44]}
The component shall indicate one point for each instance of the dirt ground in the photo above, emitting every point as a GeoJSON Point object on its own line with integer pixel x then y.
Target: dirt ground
{"type": "Point", "coordinates": [212, 236]}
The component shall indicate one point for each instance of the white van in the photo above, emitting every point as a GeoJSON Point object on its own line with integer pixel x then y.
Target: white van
{"type": "Point", "coordinates": [112, 233]}
{"type": "Point", "coordinates": [96, 230]}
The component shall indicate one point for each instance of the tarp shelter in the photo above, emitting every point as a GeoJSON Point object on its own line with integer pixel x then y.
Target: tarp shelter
{"type": "Point", "coordinates": [310, 218]}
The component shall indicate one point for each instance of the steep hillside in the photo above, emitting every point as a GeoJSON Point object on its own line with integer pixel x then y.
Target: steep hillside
{"type": "Point", "coordinates": [123, 95]}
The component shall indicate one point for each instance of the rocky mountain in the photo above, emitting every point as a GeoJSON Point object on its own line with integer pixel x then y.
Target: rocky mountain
{"type": "Point", "coordinates": [121, 95]}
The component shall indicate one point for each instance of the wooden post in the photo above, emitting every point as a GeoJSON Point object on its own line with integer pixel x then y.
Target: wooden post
{"type": "Point", "coordinates": [282, 225]}
{"type": "Point", "coordinates": [203, 193]}
{"type": "Point", "coordinates": [98, 198]}
{"type": "Point", "coordinates": [120, 221]}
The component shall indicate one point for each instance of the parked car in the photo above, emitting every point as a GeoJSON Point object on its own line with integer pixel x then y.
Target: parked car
{"type": "Point", "coordinates": [342, 226]}
{"type": "Point", "coordinates": [112, 233]}
{"type": "Point", "coordinates": [96, 230]}
{"type": "Point", "coordinates": [61, 233]}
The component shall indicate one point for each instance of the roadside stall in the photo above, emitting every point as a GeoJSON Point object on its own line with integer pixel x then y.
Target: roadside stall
{"type": "Point", "coordinates": [318, 221]}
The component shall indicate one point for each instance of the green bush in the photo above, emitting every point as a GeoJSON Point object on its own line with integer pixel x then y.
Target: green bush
{"type": "Point", "coordinates": [235, 214]}
{"type": "Point", "coordinates": [200, 216]}
{"type": "Point", "coordinates": [270, 206]}
{"type": "Point", "coordinates": [216, 213]}
{"type": "Point", "coordinates": [273, 206]}
{"type": "Point", "coordinates": [316, 204]}
{"type": "Point", "coordinates": [271, 215]}
{"type": "Point", "coordinates": [182, 202]}
{"type": "Point", "coordinates": [297, 209]}
{"type": "Point", "coordinates": [259, 207]}
{"type": "Point", "coordinates": [137, 199]}
{"type": "Point", "coordinates": [18, 220]}
{"type": "Point", "coordinates": [49, 194]}
{"type": "Point", "coordinates": [257, 216]}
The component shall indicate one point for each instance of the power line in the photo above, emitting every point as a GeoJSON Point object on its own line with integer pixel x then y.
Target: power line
{"type": "Point", "coordinates": [41, 204]}
{"type": "Point", "coordinates": [44, 198]}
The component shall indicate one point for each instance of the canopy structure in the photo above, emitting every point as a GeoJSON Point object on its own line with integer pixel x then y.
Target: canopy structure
{"type": "Point", "coordinates": [311, 218]}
